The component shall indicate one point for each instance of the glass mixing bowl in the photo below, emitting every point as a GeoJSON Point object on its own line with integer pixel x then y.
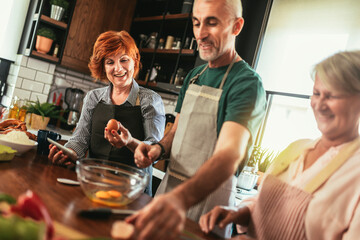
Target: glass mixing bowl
{"type": "Point", "coordinates": [110, 183]}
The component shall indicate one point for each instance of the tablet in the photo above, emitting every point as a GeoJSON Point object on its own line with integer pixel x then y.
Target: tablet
{"type": "Point", "coordinates": [65, 150]}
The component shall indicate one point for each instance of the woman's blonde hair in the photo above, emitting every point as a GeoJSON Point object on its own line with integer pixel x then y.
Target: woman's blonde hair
{"type": "Point", "coordinates": [340, 72]}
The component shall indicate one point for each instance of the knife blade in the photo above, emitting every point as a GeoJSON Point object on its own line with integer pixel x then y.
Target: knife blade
{"type": "Point", "coordinates": [104, 212]}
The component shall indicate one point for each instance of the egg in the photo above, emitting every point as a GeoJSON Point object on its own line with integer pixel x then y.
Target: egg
{"type": "Point", "coordinates": [112, 125]}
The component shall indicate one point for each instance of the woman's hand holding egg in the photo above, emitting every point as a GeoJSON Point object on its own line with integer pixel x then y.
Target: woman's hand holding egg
{"type": "Point", "coordinates": [111, 133]}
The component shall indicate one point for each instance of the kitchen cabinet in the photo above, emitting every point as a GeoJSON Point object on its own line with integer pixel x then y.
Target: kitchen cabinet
{"type": "Point", "coordinates": [39, 16]}
{"type": "Point", "coordinates": [163, 65]}
{"type": "Point", "coordinates": [90, 18]}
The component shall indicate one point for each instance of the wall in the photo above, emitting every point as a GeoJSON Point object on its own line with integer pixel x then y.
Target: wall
{"type": "Point", "coordinates": [30, 78]}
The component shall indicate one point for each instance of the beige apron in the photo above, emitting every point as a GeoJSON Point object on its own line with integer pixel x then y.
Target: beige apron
{"type": "Point", "coordinates": [194, 144]}
{"type": "Point", "coordinates": [279, 213]}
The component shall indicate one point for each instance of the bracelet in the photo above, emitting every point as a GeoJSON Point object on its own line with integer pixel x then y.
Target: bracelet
{"type": "Point", "coordinates": [162, 153]}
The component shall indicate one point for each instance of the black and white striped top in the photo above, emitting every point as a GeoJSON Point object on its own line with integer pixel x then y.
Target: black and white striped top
{"type": "Point", "coordinates": [152, 109]}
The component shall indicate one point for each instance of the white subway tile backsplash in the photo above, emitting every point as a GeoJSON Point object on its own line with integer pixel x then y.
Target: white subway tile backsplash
{"type": "Point", "coordinates": [52, 69]}
{"type": "Point", "coordinates": [74, 79]}
{"type": "Point", "coordinates": [24, 60]}
{"type": "Point", "coordinates": [14, 69]}
{"type": "Point", "coordinates": [46, 89]}
{"type": "Point", "coordinates": [60, 69]}
{"type": "Point", "coordinates": [35, 96]}
{"type": "Point", "coordinates": [61, 82]}
{"type": "Point", "coordinates": [38, 65]}
{"type": "Point", "coordinates": [169, 109]}
{"type": "Point", "coordinates": [32, 86]}
{"type": "Point", "coordinates": [27, 73]}
{"type": "Point", "coordinates": [18, 82]}
{"type": "Point", "coordinates": [6, 101]}
{"type": "Point", "coordinates": [89, 78]}
{"type": "Point", "coordinates": [44, 77]}
{"type": "Point", "coordinates": [11, 80]}
{"type": "Point", "coordinates": [23, 94]}
{"type": "Point", "coordinates": [75, 74]}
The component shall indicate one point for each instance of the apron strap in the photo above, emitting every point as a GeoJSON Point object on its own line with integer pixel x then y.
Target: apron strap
{"type": "Point", "coordinates": [227, 72]}
{"type": "Point", "coordinates": [196, 77]}
{"type": "Point", "coordinates": [345, 153]}
{"type": "Point", "coordinates": [137, 101]}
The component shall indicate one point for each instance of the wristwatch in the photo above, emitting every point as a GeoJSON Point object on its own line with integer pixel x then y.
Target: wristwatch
{"type": "Point", "coordinates": [162, 153]}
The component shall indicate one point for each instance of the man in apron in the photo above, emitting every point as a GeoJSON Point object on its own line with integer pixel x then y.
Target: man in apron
{"type": "Point", "coordinates": [220, 106]}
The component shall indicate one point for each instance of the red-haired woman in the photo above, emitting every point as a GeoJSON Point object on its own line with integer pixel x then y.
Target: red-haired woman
{"type": "Point", "coordinates": [139, 111]}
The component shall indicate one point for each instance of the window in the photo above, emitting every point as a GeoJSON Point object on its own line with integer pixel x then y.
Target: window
{"type": "Point", "coordinates": [300, 33]}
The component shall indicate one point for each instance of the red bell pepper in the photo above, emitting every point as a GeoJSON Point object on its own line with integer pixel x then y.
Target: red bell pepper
{"type": "Point", "coordinates": [30, 205]}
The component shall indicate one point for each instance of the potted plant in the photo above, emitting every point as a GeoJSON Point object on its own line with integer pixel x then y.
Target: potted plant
{"type": "Point", "coordinates": [260, 160]}
{"type": "Point", "coordinates": [41, 113]}
{"type": "Point", "coordinates": [44, 39]}
{"type": "Point", "coordinates": [58, 8]}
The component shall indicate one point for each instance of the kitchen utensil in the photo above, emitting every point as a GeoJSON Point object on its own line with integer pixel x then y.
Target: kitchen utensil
{"type": "Point", "coordinates": [104, 212]}
{"type": "Point", "coordinates": [65, 150]}
{"type": "Point", "coordinates": [110, 183]}
{"type": "Point", "coordinates": [43, 143]}
{"type": "Point", "coordinates": [68, 181]}
{"type": "Point", "coordinates": [74, 100]}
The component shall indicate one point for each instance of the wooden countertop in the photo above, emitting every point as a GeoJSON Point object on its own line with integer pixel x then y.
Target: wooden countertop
{"type": "Point", "coordinates": [34, 172]}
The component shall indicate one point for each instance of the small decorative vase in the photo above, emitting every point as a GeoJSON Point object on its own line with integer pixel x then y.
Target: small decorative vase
{"type": "Point", "coordinates": [57, 12]}
{"type": "Point", "coordinates": [43, 44]}
{"type": "Point", "coordinates": [38, 122]}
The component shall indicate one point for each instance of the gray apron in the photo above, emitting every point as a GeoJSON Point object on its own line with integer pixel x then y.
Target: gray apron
{"type": "Point", "coordinates": [132, 119]}
{"type": "Point", "coordinates": [194, 144]}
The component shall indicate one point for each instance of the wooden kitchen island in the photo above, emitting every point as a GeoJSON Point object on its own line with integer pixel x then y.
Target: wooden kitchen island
{"type": "Point", "coordinates": [34, 172]}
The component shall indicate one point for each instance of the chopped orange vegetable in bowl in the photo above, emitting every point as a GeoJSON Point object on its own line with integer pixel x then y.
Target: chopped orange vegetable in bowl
{"type": "Point", "coordinates": [110, 183]}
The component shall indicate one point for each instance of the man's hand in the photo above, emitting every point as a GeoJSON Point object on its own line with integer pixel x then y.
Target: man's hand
{"type": "Point", "coordinates": [222, 216]}
{"type": "Point", "coordinates": [145, 154]}
{"type": "Point", "coordinates": [163, 218]}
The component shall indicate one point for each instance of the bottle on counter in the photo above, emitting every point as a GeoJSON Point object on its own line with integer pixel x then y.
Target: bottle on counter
{"type": "Point", "coordinates": [14, 108]}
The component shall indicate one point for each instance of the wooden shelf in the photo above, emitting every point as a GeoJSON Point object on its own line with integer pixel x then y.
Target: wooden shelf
{"type": "Point", "coordinates": [177, 16]}
{"type": "Point", "coordinates": [45, 56]}
{"type": "Point", "coordinates": [168, 51]}
{"type": "Point", "coordinates": [167, 17]}
{"type": "Point", "coordinates": [53, 21]}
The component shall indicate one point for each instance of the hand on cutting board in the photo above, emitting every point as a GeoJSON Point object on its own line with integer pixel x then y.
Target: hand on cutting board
{"type": "Point", "coordinates": [163, 218]}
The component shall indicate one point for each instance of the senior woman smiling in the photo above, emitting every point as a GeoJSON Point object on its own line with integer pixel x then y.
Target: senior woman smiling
{"type": "Point", "coordinates": [312, 189]}
{"type": "Point", "coordinates": [139, 111]}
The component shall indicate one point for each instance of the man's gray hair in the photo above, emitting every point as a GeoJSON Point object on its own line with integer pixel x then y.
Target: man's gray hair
{"type": "Point", "coordinates": [232, 7]}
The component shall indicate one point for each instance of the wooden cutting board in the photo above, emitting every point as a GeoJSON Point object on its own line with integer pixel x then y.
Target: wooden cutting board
{"type": "Point", "coordinates": [63, 231]}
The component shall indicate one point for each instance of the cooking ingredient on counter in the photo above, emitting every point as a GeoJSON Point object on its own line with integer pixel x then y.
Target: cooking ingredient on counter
{"type": "Point", "coordinates": [6, 154]}
{"type": "Point", "coordinates": [122, 230]}
{"type": "Point", "coordinates": [112, 125]}
{"type": "Point", "coordinates": [30, 205]}
{"type": "Point", "coordinates": [17, 137]}
{"type": "Point", "coordinates": [15, 227]}
{"type": "Point", "coordinates": [108, 194]}
{"type": "Point", "coordinates": [8, 125]}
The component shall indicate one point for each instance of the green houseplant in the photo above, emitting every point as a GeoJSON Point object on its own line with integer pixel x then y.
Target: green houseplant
{"type": "Point", "coordinates": [41, 113]}
{"type": "Point", "coordinates": [44, 39]}
{"type": "Point", "coordinates": [61, 3]}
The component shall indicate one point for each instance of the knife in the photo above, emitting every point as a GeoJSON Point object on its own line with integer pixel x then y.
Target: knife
{"type": "Point", "coordinates": [104, 212]}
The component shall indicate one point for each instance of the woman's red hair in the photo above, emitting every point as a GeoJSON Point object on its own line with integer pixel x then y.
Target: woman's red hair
{"type": "Point", "coordinates": [108, 44]}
